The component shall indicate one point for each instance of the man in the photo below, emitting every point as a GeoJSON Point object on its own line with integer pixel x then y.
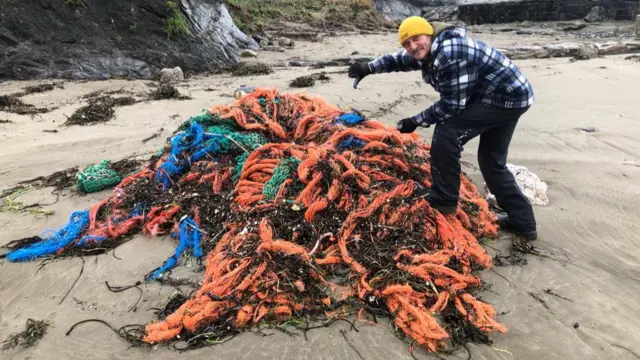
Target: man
{"type": "Point", "coordinates": [482, 93]}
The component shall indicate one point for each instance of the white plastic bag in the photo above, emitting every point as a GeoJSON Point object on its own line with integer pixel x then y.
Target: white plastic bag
{"type": "Point", "coordinates": [530, 184]}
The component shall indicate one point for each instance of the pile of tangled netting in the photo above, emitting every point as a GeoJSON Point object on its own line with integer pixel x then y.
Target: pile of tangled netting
{"type": "Point", "coordinates": [299, 210]}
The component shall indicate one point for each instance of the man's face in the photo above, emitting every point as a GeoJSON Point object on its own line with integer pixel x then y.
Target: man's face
{"type": "Point", "coordinates": [418, 46]}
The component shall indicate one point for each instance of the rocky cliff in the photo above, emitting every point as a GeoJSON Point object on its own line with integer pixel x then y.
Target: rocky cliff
{"type": "Point", "coordinates": [545, 10]}
{"type": "Point", "coordinates": [400, 9]}
{"type": "Point", "coordinates": [99, 39]}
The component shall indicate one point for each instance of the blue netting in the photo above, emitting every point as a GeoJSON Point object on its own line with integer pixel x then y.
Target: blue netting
{"type": "Point", "coordinates": [63, 237]}
{"type": "Point", "coordinates": [351, 118]}
{"type": "Point", "coordinates": [189, 239]}
{"type": "Point", "coordinates": [351, 143]}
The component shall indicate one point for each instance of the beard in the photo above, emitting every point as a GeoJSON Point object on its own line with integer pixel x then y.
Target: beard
{"type": "Point", "coordinates": [417, 51]}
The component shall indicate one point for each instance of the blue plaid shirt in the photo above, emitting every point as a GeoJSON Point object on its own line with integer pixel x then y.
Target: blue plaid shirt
{"type": "Point", "coordinates": [462, 70]}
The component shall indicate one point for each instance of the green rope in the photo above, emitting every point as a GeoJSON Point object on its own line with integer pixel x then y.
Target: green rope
{"type": "Point", "coordinates": [282, 172]}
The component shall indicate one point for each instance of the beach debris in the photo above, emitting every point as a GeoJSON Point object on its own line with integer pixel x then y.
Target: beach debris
{"type": "Point", "coordinates": [94, 113]}
{"type": "Point", "coordinates": [571, 26]}
{"type": "Point", "coordinates": [99, 110]}
{"type": "Point", "coordinates": [33, 89]}
{"type": "Point", "coordinates": [301, 213]}
{"type": "Point", "coordinates": [249, 69]}
{"type": "Point", "coordinates": [309, 80]}
{"type": "Point", "coordinates": [12, 103]}
{"type": "Point", "coordinates": [171, 76]}
{"type": "Point", "coordinates": [153, 136]}
{"type": "Point", "coordinates": [98, 177]}
{"type": "Point", "coordinates": [65, 179]}
{"type": "Point", "coordinates": [34, 331]}
{"type": "Point", "coordinates": [13, 205]}
{"type": "Point", "coordinates": [167, 91]}
{"type": "Point", "coordinates": [533, 188]}
{"type": "Point", "coordinates": [242, 91]}
{"type": "Point", "coordinates": [553, 293]}
{"type": "Point", "coordinates": [303, 81]}
{"type": "Point", "coordinates": [588, 129]}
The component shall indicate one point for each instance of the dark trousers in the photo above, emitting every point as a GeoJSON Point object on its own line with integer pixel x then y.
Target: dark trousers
{"type": "Point", "coordinates": [495, 127]}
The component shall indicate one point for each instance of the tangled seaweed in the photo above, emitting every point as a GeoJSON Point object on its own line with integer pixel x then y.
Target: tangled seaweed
{"type": "Point", "coordinates": [298, 210]}
{"type": "Point", "coordinates": [100, 109]}
{"type": "Point", "coordinates": [33, 332]}
{"type": "Point", "coordinates": [167, 91]}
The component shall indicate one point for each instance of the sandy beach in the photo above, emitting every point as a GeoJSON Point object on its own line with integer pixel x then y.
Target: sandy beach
{"type": "Point", "coordinates": [589, 231]}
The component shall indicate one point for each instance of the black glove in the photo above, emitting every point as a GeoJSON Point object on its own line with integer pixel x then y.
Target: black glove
{"type": "Point", "coordinates": [407, 125]}
{"type": "Point", "coordinates": [358, 71]}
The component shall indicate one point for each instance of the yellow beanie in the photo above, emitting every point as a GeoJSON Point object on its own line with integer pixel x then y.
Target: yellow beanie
{"type": "Point", "coordinates": [413, 26]}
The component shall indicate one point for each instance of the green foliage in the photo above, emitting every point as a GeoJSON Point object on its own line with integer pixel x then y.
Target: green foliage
{"type": "Point", "coordinates": [133, 28]}
{"type": "Point", "coordinates": [251, 16]}
{"type": "Point", "coordinates": [175, 24]}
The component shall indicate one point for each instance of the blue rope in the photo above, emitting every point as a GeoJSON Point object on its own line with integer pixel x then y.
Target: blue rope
{"type": "Point", "coordinates": [194, 139]}
{"type": "Point", "coordinates": [190, 237]}
{"type": "Point", "coordinates": [78, 221]}
{"type": "Point", "coordinates": [90, 238]}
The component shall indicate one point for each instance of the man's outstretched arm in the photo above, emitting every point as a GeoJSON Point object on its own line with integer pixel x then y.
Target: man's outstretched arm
{"type": "Point", "coordinates": [394, 62]}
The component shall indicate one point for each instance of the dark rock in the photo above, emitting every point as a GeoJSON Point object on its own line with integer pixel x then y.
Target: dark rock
{"type": "Point", "coordinates": [400, 9]}
{"type": "Point", "coordinates": [117, 38]}
{"type": "Point", "coordinates": [570, 26]}
{"type": "Point", "coordinates": [586, 53]}
{"type": "Point", "coordinates": [638, 26]}
{"type": "Point", "coordinates": [440, 13]}
{"type": "Point", "coordinates": [596, 14]}
{"type": "Point", "coordinates": [543, 10]}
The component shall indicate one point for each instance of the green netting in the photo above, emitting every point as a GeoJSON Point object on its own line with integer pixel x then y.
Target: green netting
{"type": "Point", "coordinates": [282, 172]}
{"type": "Point", "coordinates": [232, 138]}
{"type": "Point", "coordinates": [97, 177]}
{"type": "Point", "coordinates": [240, 160]}
{"type": "Point", "coordinates": [206, 119]}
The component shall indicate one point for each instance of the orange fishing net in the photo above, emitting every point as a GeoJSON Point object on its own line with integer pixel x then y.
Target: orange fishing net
{"type": "Point", "coordinates": [365, 215]}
